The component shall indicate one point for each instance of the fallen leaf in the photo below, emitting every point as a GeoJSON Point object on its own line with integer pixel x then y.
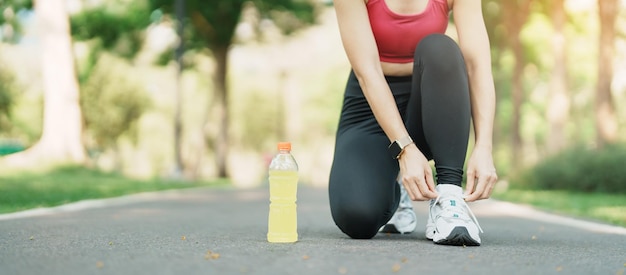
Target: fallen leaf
{"type": "Point", "coordinates": [110, 243]}
{"type": "Point", "coordinates": [396, 268]}
{"type": "Point", "coordinates": [404, 260]}
{"type": "Point", "coordinates": [31, 238]}
{"type": "Point", "coordinates": [343, 270]}
{"type": "Point", "coordinates": [99, 264]}
{"type": "Point", "coordinates": [559, 268]}
{"type": "Point", "coordinates": [183, 238]}
{"type": "Point", "coordinates": [210, 255]}
{"type": "Point", "coordinates": [620, 272]}
{"type": "Point", "coordinates": [305, 257]}
{"type": "Point", "coordinates": [471, 256]}
{"type": "Point", "coordinates": [464, 246]}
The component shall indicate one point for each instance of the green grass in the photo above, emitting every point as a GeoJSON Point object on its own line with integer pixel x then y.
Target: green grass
{"type": "Point", "coordinates": [610, 208]}
{"type": "Point", "coordinates": [69, 184]}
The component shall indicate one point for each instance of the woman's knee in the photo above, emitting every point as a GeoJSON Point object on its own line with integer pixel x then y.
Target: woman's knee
{"type": "Point", "coordinates": [359, 221]}
{"type": "Point", "coordinates": [438, 50]}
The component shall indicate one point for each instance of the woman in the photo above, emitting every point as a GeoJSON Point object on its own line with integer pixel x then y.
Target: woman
{"type": "Point", "coordinates": [409, 99]}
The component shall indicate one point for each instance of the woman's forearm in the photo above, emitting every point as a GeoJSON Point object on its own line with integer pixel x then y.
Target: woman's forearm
{"type": "Point", "coordinates": [382, 103]}
{"type": "Point", "coordinates": [483, 100]}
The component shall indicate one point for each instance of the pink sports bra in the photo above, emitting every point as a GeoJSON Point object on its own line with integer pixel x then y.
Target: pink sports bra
{"type": "Point", "coordinates": [397, 35]}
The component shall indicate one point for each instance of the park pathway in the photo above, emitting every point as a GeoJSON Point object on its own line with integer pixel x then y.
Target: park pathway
{"type": "Point", "coordinates": [222, 231]}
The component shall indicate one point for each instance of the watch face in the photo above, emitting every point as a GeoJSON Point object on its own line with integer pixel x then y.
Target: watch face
{"type": "Point", "coordinates": [395, 150]}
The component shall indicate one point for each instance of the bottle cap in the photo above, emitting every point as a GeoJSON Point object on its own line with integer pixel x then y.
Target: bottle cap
{"type": "Point", "coordinates": [284, 146]}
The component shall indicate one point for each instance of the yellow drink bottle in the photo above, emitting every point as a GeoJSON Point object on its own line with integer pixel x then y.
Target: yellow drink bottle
{"type": "Point", "coordinates": [282, 225]}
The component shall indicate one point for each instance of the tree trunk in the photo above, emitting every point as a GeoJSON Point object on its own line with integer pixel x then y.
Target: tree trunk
{"type": "Point", "coordinates": [62, 123]}
{"type": "Point", "coordinates": [518, 98]}
{"type": "Point", "coordinates": [558, 107]}
{"type": "Point", "coordinates": [516, 13]}
{"type": "Point", "coordinates": [606, 120]}
{"type": "Point", "coordinates": [220, 109]}
{"type": "Point", "coordinates": [178, 123]}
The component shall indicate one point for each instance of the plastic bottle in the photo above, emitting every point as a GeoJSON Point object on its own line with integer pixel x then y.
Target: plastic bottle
{"type": "Point", "coordinates": [282, 226]}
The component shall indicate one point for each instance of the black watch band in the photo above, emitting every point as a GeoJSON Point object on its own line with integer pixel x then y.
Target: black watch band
{"type": "Point", "coordinates": [396, 148]}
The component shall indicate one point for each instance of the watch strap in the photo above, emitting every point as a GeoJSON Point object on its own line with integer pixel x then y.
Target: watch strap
{"type": "Point", "coordinates": [396, 148]}
{"type": "Point", "coordinates": [404, 142]}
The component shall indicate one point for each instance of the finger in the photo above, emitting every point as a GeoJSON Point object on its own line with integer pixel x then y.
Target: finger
{"type": "Point", "coordinates": [430, 183]}
{"type": "Point", "coordinates": [491, 183]}
{"type": "Point", "coordinates": [425, 191]}
{"type": "Point", "coordinates": [480, 189]}
{"type": "Point", "coordinates": [408, 190]}
{"type": "Point", "coordinates": [471, 181]}
{"type": "Point", "coordinates": [412, 184]}
{"type": "Point", "coordinates": [411, 188]}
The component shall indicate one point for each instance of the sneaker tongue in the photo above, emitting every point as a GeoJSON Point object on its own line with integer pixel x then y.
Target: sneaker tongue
{"type": "Point", "coordinates": [451, 199]}
{"type": "Point", "coordinates": [449, 189]}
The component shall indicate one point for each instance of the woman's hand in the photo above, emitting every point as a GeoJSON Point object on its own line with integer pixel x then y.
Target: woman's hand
{"type": "Point", "coordinates": [417, 176]}
{"type": "Point", "coordinates": [481, 175]}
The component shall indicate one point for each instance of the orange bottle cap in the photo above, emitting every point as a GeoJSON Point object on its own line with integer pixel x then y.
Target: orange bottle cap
{"type": "Point", "coordinates": [284, 146]}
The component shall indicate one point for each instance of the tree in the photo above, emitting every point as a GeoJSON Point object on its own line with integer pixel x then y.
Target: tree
{"type": "Point", "coordinates": [213, 26]}
{"type": "Point", "coordinates": [516, 13]}
{"type": "Point", "coordinates": [558, 106]}
{"type": "Point", "coordinates": [112, 103]}
{"type": "Point", "coordinates": [605, 117]}
{"type": "Point", "coordinates": [60, 141]}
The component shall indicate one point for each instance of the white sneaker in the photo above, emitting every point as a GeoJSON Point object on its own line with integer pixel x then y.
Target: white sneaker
{"type": "Point", "coordinates": [450, 220]}
{"type": "Point", "coordinates": [404, 220]}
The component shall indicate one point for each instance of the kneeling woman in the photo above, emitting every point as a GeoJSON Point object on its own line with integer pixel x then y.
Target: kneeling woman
{"type": "Point", "coordinates": [409, 99]}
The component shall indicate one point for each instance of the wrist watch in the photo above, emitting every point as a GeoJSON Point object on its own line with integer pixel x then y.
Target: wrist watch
{"type": "Point", "coordinates": [396, 148]}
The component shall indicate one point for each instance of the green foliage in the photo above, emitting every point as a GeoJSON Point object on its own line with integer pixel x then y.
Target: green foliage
{"type": "Point", "coordinates": [112, 104]}
{"type": "Point", "coordinates": [288, 15]}
{"type": "Point", "coordinates": [118, 31]}
{"type": "Point", "coordinates": [74, 183]}
{"type": "Point", "coordinates": [9, 20]}
{"type": "Point", "coordinates": [261, 125]}
{"type": "Point", "coordinates": [606, 207]}
{"type": "Point", "coordinates": [579, 169]}
{"type": "Point", "coordinates": [7, 98]}
{"type": "Point", "coordinates": [213, 23]}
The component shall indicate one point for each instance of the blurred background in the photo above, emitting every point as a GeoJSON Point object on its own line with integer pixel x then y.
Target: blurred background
{"type": "Point", "coordinates": [200, 90]}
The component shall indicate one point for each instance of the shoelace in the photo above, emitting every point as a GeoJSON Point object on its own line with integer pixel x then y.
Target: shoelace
{"type": "Point", "coordinates": [462, 203]}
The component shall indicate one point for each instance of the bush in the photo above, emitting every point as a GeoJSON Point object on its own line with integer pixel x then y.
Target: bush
{"type": "Point", "coordinates": [579, 169]}
{"type": "Point", "coordinates": [112, 104]}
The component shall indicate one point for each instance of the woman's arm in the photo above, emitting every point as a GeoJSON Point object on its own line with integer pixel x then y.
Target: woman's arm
{"type": "Point", "coordinates": [360, 46]}
{"type": "Point", "coordinates": [474, 44]}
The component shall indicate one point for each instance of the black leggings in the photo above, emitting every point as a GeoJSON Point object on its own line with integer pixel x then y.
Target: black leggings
{"type": "Point", "coordinates": [435, 106]}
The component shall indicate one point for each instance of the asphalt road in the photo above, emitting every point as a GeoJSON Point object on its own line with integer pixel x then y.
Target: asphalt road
{"type": "Point", "coordinates": [222, 231]}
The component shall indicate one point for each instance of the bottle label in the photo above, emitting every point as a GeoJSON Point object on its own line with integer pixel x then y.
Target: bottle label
{"type": "Point", "coordinates": [283, 220]}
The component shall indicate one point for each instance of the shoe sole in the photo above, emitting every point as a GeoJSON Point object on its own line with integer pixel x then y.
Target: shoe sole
{"type": "Point", "coordinates": [459, 236]}
{"type": "Point", "coordinates": [391, 228]}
